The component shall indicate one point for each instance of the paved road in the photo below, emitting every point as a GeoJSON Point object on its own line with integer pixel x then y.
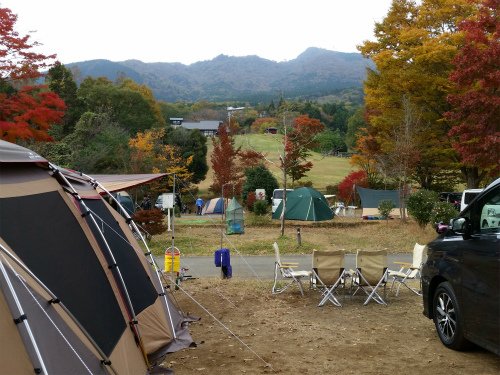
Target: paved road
{"type": "Point", "coordinates": [262, 265]}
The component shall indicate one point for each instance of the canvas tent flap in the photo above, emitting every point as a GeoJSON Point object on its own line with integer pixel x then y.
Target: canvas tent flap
{"type": "Point", "coordinates": [370, 199]}
{"type": "Point", "coordinates": [115, 182]}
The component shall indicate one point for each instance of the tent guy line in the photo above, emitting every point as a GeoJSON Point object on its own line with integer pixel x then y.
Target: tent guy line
{"type": "Point", "coordinates": [226, 328]}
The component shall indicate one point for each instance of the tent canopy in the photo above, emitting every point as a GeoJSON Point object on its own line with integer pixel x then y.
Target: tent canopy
{"type": "Point", "coordinates": [306, 204]}
{"type": "Point", "coordinates": [214, 207]}
{"type": "Point", "coordinates": [370, 199]}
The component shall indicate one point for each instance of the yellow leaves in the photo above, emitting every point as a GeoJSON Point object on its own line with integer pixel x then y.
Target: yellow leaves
{"type": "Point", "coordinates": [152, 155]}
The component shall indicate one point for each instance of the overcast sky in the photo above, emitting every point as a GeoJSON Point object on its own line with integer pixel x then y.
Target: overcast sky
{"type": "Point", "coordinates": [188, 31]}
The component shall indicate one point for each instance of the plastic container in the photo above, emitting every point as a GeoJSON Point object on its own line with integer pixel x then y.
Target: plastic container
{"type": "Point", "coordinates": [168, 261]}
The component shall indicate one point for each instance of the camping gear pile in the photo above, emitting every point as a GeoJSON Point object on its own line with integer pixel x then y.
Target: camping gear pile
{"type": "Point", "coordinates": [77, 293]}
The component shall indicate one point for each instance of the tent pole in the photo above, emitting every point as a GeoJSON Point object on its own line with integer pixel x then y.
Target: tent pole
{"type": "Point", "coordinates": [132, 317]}
{"type": "Point", "coordinates": [172, 278]}
{"type": "Point", "coordinates": [149, 253]}
{"type": "Point", "coordinates": [24, 320]}
{"type": "Point", "coordinates": [105, 358]}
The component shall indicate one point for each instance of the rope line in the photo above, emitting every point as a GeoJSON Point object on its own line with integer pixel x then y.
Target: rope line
{"type": "Point", "coordinates": [226, 328]}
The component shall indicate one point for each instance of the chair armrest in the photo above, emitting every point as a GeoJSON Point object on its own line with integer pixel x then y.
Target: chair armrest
{"type": "Point", "coordinates": [289, 263]}
{"type": "Point", "coordinates": [403, 263]}
{"type": "Point", "coordinates": [289, 266]}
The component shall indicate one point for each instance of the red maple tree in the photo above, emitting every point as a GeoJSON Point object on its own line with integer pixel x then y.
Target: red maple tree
{"type": "Point", "coordinates": [477, 75]}
{"type": "Point", "coordinates": [26, 111]}
{"type": "Point", "coordinates": [299, 142]}
{"type": "Point", "coordinates": [347, 191]}
{"type": "Point", "coordinates": [226, 164]}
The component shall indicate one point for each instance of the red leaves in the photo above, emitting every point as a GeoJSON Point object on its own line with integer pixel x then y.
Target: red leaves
{"type": "Point", "coordinates": [477, 74]}
{"type": "Point", "coordinates": [226, 163]}
{"type": "Point", "coordinates": [346, 187]}
{"type": "Point", "coordinates": [29, 112]}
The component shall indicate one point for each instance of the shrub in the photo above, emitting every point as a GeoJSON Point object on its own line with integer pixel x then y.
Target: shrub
{"type": "Point", "coordinates": [251, 199]}
{"type": "Point", "coordinates": [443, 211]}
{"type": "Point", "coordinates": [260, 208]}
{"type": "Point", "coordinates": [421, 205]}
{"type": "Point", "coordinates": [385, 207]}
{"type": "Point", "coordinates": [150, 220]}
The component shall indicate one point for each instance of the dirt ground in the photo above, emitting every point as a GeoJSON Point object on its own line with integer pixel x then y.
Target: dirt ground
{"type": "Point", "coordinates": [289, 334]}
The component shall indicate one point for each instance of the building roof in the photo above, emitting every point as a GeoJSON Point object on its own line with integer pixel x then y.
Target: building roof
{"type": "Point", "coordinates": [202, 125]}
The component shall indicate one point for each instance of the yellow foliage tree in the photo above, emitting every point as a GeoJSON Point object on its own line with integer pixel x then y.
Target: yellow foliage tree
{"type": "Point", "coordinates": [150, 155]}
{"type": "Point", "coordinates": [413, 52]}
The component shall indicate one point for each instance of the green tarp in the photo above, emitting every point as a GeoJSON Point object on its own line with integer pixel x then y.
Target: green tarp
{"type": "Point", "coordinates": [306, 204]}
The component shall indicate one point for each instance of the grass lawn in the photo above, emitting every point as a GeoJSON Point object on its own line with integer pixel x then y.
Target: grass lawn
{"type": "Point", "coordinates": [201, 235]}
{"type": "Point", "coordinates": [326, 170]}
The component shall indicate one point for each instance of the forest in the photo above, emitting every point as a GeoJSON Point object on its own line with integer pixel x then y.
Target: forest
{"type": "Point", "coordinates": [430, 114]}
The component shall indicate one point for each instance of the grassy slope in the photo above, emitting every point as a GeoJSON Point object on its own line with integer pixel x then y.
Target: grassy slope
{"type": "Point", "coordinates": [326, 171]}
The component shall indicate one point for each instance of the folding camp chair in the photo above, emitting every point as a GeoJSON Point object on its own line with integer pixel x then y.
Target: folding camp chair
{"type": "Point", "coordinates": [286, 270]}
{"type": "Point", "coordinates": [370, 274]}
{"type": "Point", "coordinates": [328, 274]}
{"type": "Point", "coordinates": [409, 271]}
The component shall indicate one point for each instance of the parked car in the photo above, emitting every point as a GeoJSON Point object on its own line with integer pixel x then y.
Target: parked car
{"type": "Point", "coordinates": [277, 198]}
{"type": "Point", "coordinates": [461, 277]}
{"type": "Point", "coordinates": [468, 196]}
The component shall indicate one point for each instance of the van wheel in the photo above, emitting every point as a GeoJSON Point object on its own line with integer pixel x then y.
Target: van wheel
{"type": "Point", "coordinates": [448, 318]}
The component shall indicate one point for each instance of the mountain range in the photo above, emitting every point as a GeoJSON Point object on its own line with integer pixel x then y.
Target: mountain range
{"type": "Point", "coordinates": [313, 74]}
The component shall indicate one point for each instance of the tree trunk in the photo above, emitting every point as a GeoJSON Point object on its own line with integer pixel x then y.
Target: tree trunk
{"type": "Point", "coordinates": [472, 176]}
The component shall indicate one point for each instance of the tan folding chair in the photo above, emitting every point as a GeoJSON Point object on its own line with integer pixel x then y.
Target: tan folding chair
{"type": "Point", "coordinates": [328, 274]}
{"type": "Point", "coordinates": [409, 271]}
{"type": "Point", "coordinates": [286, 270]}
{"type": "Point", "coordinates": [370, 274]}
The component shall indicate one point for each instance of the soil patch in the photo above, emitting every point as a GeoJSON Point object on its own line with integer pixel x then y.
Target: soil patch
{"type": "Point", "coordinates": [294, 336]}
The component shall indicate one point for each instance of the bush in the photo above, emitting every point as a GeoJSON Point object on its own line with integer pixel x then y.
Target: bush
{"type": "Point", "coordinates": [385, 207]}
{"type": "Point", "coordinates": [260, 208]}
{"type": "Point", "coordinates": [443, 211]}
{"type": "Point", "coordinates": [251, 199]}
{"type": "Point", "coordinates": [421, 205]}
{"type": "Point", "coordinates": [150, 220]}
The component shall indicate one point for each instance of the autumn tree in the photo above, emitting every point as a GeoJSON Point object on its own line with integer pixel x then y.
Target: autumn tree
{"type": "Point", "coordinates": [476, 108]}
{"type": "Point", "coordinates": [347, 191]}
{"type": "Point", "coordinates": [296, 137]}
{"type": "Point", "coordinates": [262, 123]}
{"type": "Point", "coordinates": [299, 144]}
{"type": "Point", "coordinates": [226, 164]}
{"type": "Point", "coordinates": [150, 155]}
{"type": "Point", "coordinates": [27, 111]}
{"type": "Point", "coordinates": [413, 51]}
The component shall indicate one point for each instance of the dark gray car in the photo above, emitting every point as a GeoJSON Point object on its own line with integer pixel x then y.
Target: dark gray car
{"type": "Point", "coordinates": [461, 278]}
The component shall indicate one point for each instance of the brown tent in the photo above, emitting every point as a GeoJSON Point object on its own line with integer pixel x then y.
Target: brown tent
{"type": "Point", "coordinates": [77, 293]}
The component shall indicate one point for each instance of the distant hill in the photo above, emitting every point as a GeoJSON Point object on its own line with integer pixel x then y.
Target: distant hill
{"type": "Point", "coordinates": [314, 74]}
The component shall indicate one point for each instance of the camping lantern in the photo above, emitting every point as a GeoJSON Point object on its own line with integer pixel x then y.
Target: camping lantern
{"type": "Point", "coordinates": [234, 218]}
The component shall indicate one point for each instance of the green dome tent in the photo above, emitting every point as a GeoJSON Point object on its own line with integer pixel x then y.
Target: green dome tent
{"type": "Point", "coordinates": [306, 204]}
{"type": "Point", "coordinates": [234, 218]}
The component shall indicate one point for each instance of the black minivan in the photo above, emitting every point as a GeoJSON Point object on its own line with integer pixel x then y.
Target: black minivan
{"type": "Point", "coordinates": [461, 277]}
